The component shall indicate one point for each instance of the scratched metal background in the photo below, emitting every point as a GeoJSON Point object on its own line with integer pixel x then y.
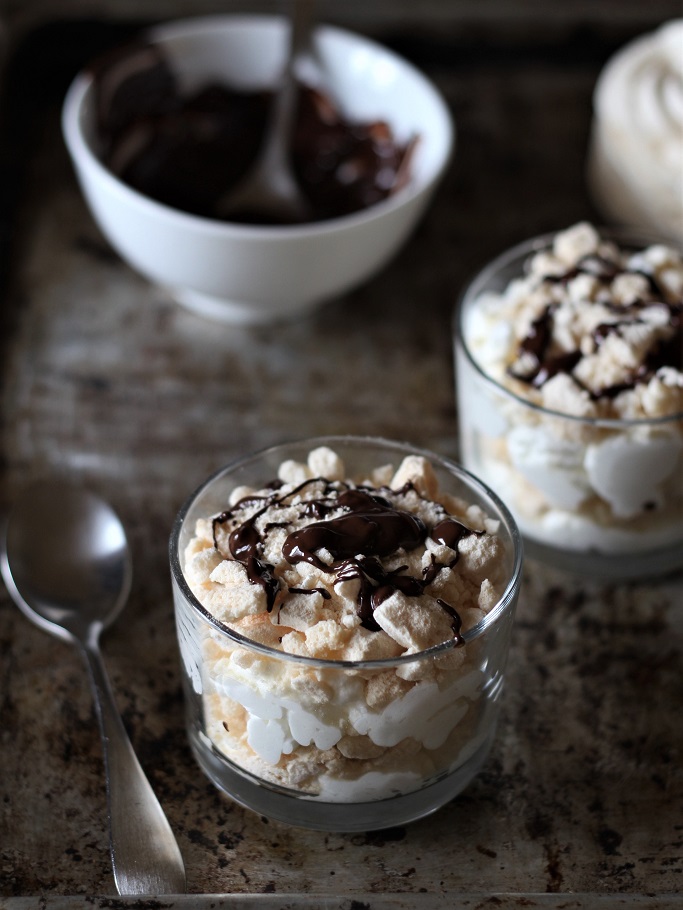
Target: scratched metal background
{"type": "Point", "coordinates": [581, 803]}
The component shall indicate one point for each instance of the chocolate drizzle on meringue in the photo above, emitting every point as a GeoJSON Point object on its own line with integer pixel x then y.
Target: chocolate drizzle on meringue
{"type": "Point", "coordinates": [370, 526]}
{"type": "Point", "coordinates": [537, 361]}
{"type": "Point", "coordinates": [349, 545]}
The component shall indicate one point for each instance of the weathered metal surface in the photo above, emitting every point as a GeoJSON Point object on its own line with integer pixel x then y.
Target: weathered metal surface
{"type": "Point", "coordinates": [581, 803]}
{"type": "Point", "coordinates": [359, 901]}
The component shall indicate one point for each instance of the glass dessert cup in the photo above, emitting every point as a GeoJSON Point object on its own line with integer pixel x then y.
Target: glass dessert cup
{"type": "Point", "coordinates": [600, 497]}
{"type": "Point", "coordinates": [271, 729]}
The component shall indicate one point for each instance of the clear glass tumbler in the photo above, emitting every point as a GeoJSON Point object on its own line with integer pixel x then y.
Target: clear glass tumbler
{"type": "Point", "coordinates": [271, 729]}
{"type": "Point", "coordinates": [602, 497]}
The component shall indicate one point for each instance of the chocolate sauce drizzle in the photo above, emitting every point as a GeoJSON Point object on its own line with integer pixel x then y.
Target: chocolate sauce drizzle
{"type": "Point", "coordinates": [536, 346]}
{"type": "Point", "coordinates": [542, 363]}
{"type": "Point", "coordinates": [369, 528]}
{"type": "Point", "coordinates": [245, 546]}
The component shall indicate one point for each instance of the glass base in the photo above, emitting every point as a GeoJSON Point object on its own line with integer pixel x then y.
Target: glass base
{"type": "Point", "coordinates": [608, 567]}
{"type": "Point", "coordinates": [303, 811]}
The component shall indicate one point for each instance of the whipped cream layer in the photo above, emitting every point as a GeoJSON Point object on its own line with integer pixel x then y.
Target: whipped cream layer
{"type": "Point", "coordinates": [635, 165]}
{"type": "Point", "coordinates": [320, 565]}
{"type": "Point", "coordinates": [589, 445]}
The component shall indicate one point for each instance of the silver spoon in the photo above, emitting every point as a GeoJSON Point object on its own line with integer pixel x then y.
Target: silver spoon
{"type": "Point", "coordinates": [66, 563]}
{"type": "Point", "coordinates": [270, 188]}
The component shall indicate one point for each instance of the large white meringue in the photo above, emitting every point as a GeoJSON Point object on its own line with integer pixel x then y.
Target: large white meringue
{"type": "Point", "coordinates": [635, 163]}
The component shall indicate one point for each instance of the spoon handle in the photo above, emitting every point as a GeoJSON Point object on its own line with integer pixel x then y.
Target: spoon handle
{"type": "Point", "coordinates": [278, 140]}
{"type": "Point", "coordinates": [145, 855]}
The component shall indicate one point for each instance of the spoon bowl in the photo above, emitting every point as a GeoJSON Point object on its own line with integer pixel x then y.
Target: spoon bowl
{"type": "Point", "coordinates": [66, 563]}
{"type": "Point", "coordinates": [84, 580]}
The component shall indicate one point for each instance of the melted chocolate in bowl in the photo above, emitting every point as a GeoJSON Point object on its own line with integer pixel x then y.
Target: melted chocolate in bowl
{"type": "Point", "coordinates": [187, 152]}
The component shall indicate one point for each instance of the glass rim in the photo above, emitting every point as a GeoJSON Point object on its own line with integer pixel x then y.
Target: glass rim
{"type": "Point", "coordinates": [523, 250]}
{"type": "Point", "coordinates": [504, 603]}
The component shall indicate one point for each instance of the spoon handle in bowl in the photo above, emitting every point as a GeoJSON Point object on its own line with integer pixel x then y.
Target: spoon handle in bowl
{"type": "Point", "coordinates": [145, 856]}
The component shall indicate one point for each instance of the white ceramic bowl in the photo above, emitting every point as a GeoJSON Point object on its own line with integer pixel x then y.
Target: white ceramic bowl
{"type": "Point", "coordinates": [247, 273]}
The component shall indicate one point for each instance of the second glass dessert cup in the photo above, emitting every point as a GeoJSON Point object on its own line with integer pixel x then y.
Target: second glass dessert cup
{"type": "Point", "coordinates": [331, 744]}
{"type": "Point", "coordinates": [600, 497]}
